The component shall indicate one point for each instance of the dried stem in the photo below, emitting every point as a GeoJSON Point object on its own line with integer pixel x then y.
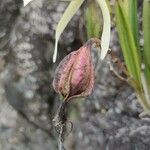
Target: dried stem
{"type": "Point", "coordinates": [60, 117]}
{"type": "Point", "coordinates": [113, 59]}
{"type": "Point", "coordinates": [116, 73]}
{"type": "Point", "coordinates": [61, 147]}
{"type": "Point", "coordinates": [60, 121]}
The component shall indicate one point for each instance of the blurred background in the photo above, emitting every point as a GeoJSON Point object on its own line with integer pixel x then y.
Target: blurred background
{"type": "Point", "coordinates": [107, 120]}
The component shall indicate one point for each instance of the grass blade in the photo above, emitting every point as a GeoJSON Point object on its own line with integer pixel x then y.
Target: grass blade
{"type": "Point", "coordinates": [146, 33]}
{"type": "Point", "coordinates": [132, 7]}
{"type": "Point", "coordinates": [127, 41]}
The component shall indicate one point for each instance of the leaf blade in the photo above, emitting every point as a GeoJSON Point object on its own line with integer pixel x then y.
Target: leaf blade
{"type": "Point", "coordinates": [132, 7]}
{"type": "Point", "coordinates": [127, 41]}
{"type": "Point", "coordinates": [105, 39]}
{"type": "Point", "coordinates": [68, 14]}
{"type": "Point", "coordinates": [146, 35]}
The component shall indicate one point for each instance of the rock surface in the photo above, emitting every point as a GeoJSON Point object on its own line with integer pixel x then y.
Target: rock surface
{"type": "Point", "coordinates": [107, 120]}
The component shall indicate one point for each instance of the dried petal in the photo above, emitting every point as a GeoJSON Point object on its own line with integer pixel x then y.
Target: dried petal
{"type": "Point", "coordinates": [60, 82]}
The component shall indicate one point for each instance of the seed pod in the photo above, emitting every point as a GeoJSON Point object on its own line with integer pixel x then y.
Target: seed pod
{"type": "Point", "coordinates": [74, 76]}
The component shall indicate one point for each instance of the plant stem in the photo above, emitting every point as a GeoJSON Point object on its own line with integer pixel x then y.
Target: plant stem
{"type": "Point", "coordinates": [61, 147]}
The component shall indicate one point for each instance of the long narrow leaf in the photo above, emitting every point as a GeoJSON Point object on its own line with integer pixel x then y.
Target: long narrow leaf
{"type": "Point", "coordinates": [128, 45]}
{"type": "Point", "coordinates": [93, 23]}
{"type": "Point", "coordinates": [132, 11]}
{"type": "Point", "coordinates": [68, 14]}
{"type": "Point", "coordinates": [145, 88]}
{"type": "Point", "coordinates": [105, 40]}
{"type": "Point", "coordinates": [146, 32]}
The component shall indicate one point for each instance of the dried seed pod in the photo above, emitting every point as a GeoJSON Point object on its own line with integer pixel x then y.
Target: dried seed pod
{"type": "Point", "coordinates": [74, 76]}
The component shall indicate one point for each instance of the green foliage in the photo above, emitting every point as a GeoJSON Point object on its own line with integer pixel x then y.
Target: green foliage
{"type": "Point", "coordinates": [69, 13]}
{"type": "Point", "coordinates": [146, 32]}
{"type": "Point", "coordinates": [127, 41]}
{"type": "Point", "coordinates": [92, 21]}
{"type": "Point", "coordinates": [132, 6]}
{"type": "Point", "coordinates": [127, 26]}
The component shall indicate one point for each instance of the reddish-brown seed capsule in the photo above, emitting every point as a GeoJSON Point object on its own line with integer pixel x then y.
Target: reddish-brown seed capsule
{"type": "Point", "coordinates": [74, 76]}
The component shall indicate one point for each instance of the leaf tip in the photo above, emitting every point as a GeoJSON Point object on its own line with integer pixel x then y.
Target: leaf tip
{"type": "Point", "coordinates": [55, 52]}
{"type": "Point", "coordinates": [25, 2]}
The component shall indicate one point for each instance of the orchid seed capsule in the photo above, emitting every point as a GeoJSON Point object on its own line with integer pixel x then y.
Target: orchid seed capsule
{"type": "Point", "coordinates": [74, 76]}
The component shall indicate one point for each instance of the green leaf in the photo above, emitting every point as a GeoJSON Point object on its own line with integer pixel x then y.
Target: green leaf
{"type": "Point", "coordinates": [131, 56]}
{"type": "Point", "coordinates": [132, 12]}
{"type": "Point", "coordinates": [145, 89]}
{"type": "Point", "coordinates": [146, 33]}
{"type": "Point", "coordinates": [92, 21]}
{"type": "Point", "coordinates": [105, 40]}
{"type": "Point", "coordinates": [68, 14]}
